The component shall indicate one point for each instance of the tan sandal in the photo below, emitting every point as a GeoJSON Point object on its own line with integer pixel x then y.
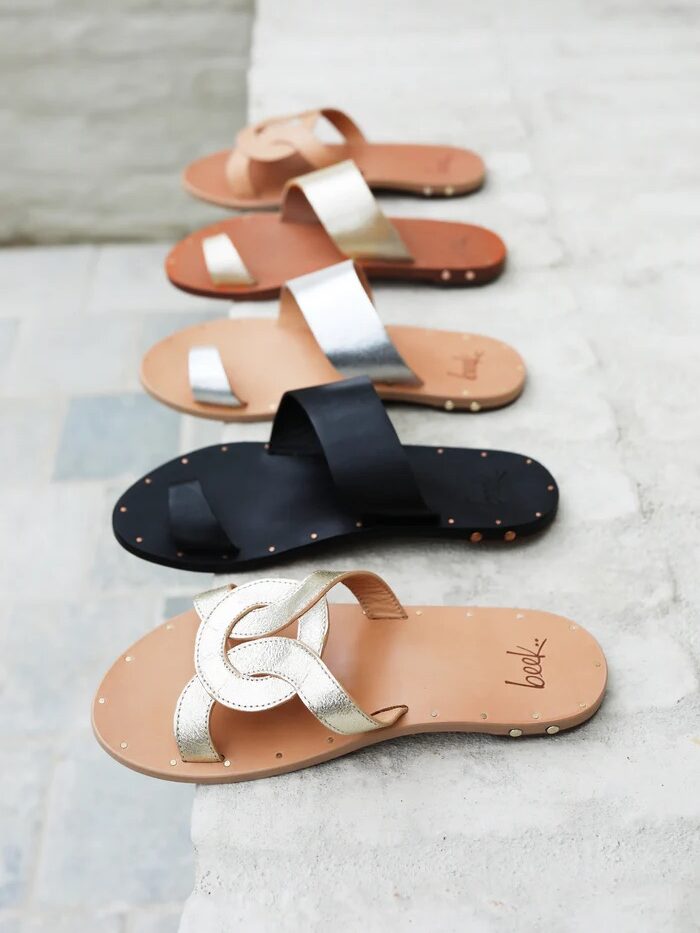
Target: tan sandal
{"type": "Point", "coordinates": [327, 216]}
{"type": "Point", "coordinates": [185, 704]}
{"type": "Point", "coordinates": [268, 154]}
{"type": "Point", "coordinates": [327, 329]}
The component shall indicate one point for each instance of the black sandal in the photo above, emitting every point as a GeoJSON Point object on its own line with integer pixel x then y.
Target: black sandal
{"type": "Point", "coordinates": [334, 468]}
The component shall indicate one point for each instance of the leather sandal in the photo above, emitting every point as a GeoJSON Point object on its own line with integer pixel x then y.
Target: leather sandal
{"type": "Point", "coordinates": [327, 329]}
{"type": "Point", "coordinates": [327, 216]}
{"type": "Point", "coordinates": [268, 154]}
{"type": "Point", "coordinates": [248, 684]}
{"type": "Point", "coordinates": [334, 470]}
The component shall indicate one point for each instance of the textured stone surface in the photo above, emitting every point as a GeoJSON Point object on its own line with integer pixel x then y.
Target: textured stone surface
{"type": "Point", "coordinates": [584, 113]}
{"type": "Point", "coordinates": [101, 106]}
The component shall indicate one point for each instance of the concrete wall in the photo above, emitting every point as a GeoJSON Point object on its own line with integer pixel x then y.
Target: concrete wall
{"type": "Point", "coordinates": [101, 106]}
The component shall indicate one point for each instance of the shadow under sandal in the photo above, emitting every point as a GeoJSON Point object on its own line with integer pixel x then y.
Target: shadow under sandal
{"type": "Point", "coordinates": [327, 216]}
{"type": "Point", "coordinates": [269, 153]}
{"type": "Point", "coordinates": [268, 678]}
{"type": "Point", "coordinates": [334, 470]}
{"type": "Point", "coordinates": [327, 328]}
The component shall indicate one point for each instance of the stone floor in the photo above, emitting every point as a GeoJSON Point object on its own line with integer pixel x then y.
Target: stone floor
{"type": "Point", "coordinates": [585, 114]}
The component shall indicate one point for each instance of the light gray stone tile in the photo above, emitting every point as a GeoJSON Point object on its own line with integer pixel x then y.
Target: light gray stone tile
{"type": "Point", "coordinates": [137, 850]}
{"type": "Point", "coordinates": [164, 919]}
{"type": "Point", "coordinates": [23, 787]}
{"type": "Point", "coordinates": [29, 430]}
{"type": "Point", "coordinates": [8, 335]}
{"type": "Point", "coordinates": [46, 282]}
{"type": "Point", "coordinates": [99, 921]}
{"type": "Point", "coordinates": [51, 533]}
{"type": "Point", "coordinates": [132, 278]}
{"type": "Point", "coordinates": [175, 605]}
{"type": "Point", "coordinates": [74, 356]}
{"type": "Point", "coordinates": [82, 638]}
{"type": "Point", "coordinates": [121, 435]}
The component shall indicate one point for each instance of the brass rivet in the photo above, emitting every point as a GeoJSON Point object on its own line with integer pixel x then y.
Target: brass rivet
{"type": "Point", "coordinates": [449, 405]}
{"type": "Point", "coordinates": [358, 524]}
{"type": "Point", "coordinates": [552, 730]}
{"type": "Point", "coordinates": [583, 705]}
{"type": "Point", "coordinates": [271, 549]}
{"type": "Point", "coordinates": [169, 627]}
{"type": "Point", "coordinates": [469, 275]}
{"type": "Point", "coordinates": [475, 536]}
{"type": "Point", "coordinates": [330, 740]}
{"type": "Point", "coordinates": [184, 460]}
{"type": "Point", "coordinates": [498, 521]}
{"type": "Point", "coordinates": [180, 554]}
{"type": "Point", "coordinates": [550, 488]}
{"type": "Point", "coordinates": [278, 755]}
{"type": "Point", "coordinates": [266, 446]}
{"type": "Point", "coordinates": [450, 521]}
{"type": "Point", "coordinates": [440, 450]}
{"type": "Point", "coordinates": [128, 658]}
{"type": "Point", "coordinates": [419, 612]}
{"type": "Point", "coordinates": [515, 733]}
{"type": "Point", "coordinates": [536, 715]}
{"type": "Point", "coordinates": [475, 406]}
{"type": "Point", "coordinates": [520, 615]}
{"type": "Point", "coordinates": [449, 191]}
{"type": "Point", "coordinates": [173, 762]}
{"type": "Point", "coordinates": [572, 628]}
{"type": "Point", "coordinates": [272, 407]}
{"type": "Point", "coordinates": [101, 700]}
{"type": "Point", "coordinates": [122, 508]}
{"type": "Point", "coordinates": [483, 715]}
{"type": "Point", "coordinates": [528, 461]}
{"type": "Point", "coordinates": [469, 615]}
{"type": "Point", "coordinates": [224, 449]}
{"type": "Point", "coordinates": [466, 392]}
{"type": "Point", "coordinates": [445, 275]}
{"type": "Point", "coordinates": [427, 191]}
{"type": "Point", "coordinates": [139, 540]}
{"type": "Point", "coordinates": [227, 764]}
{"type": "Point", "coordinates": [313, 535]}
{"type": "Point", "coordinates": [538, 515]}
{"type": "Point", "coordinates": [598, 664]}
{"type": "Point", "coordinates": [484, 453]}
{"type": "Point", "coordinates": [148, 481]}
{"type": "Point", "coordinates": [434, 713]}
{"type": "Point", "coordinates": [123, 745]}
{"type": "Point", "coordinates": [509, 536]}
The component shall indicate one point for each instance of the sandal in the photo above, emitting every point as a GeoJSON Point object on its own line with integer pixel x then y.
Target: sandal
{"type": "Point", "coordinates": [184, 704]}
{"type": "Point", "coordinates": [268, 154]}
{"type": "Point", "coordinates": [327, 328]}
{"type": "Point", "coordinates": [327, 216]}
{"type": "Point", "coordinates": [334, 470]}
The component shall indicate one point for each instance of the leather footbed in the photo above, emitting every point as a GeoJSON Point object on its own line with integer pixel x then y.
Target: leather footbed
{"type": "Point", "coordinates": [413, 169]}
{"type": "Point", "coordinates": [276, 250]}
{"type": "Point", "coordinates": [265, 501]}
{"type": "Point", "coordinates": [460, 370]}
{"type": "Point", "coordinates": [449, 665]}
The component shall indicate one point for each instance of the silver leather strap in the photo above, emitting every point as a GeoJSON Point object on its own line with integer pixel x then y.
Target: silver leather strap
{"type": "Point", "coordinates": [263, 671]}
{"type": "Point", "coordinates": [339, 313]}
{"type": "Point", "coordinates": [340, 199]}
{"type": "Point", "coordinates": [208, 380]}
{"type": "Point", "coordinates": [223, 261]}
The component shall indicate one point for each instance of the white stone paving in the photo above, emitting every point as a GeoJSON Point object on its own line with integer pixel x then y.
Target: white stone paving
{"type": "Point", "coordinates": [585, 113]}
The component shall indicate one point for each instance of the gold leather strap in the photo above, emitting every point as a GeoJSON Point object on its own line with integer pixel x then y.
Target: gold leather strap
{"type": "Point", "coordinates": [266, 670]}
{"type": "Point", "coordinates": [339, 198]}
{"type": "Point", "coordinates": [223, 261]}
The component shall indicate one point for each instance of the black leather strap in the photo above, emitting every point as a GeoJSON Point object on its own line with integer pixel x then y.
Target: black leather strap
{"type": "Point", "coordinates": [193, 525]}
{"type": "Point", "coordinates": [347, 424]}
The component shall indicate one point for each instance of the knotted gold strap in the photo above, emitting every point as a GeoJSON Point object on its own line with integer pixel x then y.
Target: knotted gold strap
{"type": "Point", "coordinates": [339, 198]}
{"type": "Point", "coordinates": [264, 671]}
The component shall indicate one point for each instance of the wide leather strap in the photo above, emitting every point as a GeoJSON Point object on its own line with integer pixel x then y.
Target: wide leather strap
{"type": "Point", "coordinates": [193, 525]}
{"type": "Point", "coordinates": [340, 200]}
{"type": "Point", "coordinates": [265, 671]}
{"type": "Point", "coordinates": [223, 261]}
{"type": "Point", "coordinates": [279, 138]}
{"type": "Point", "coordinates": [335, 304]}
{"type": "Point", "coordinates": [347, 424]}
